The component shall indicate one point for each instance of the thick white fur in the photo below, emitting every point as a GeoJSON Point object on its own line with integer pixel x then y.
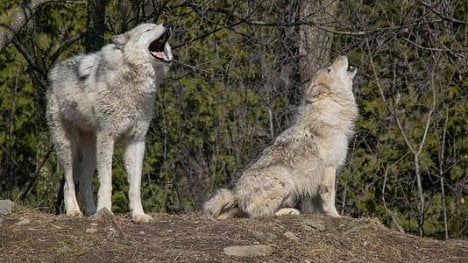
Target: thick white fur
{"type": "Point", "coordinates": [302, 162]}
{"type": "Point", "coordinates": [93, 100]}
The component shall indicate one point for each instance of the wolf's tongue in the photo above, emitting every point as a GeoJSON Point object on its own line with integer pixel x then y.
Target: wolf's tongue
{"type": "Point", "coordinates": [160, 55]}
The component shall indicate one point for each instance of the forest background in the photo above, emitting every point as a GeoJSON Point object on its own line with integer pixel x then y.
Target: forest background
{"type": "Point", "coordinates": [239, 72]}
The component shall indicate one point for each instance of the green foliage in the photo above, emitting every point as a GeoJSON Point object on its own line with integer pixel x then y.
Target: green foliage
{"type": "Point", "coordinates": [419, 84]}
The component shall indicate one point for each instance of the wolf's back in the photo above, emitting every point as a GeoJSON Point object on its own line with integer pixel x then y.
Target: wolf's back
{"type": "Point", "coordinates": [222, 200]}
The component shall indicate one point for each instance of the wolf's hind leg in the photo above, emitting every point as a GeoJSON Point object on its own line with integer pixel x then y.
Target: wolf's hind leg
{"type": "Point", "coordinates": [65, 143]}
{"type": "Point", "coordinates": [86, 167]}
{"type": "Point", "coordinates": [327, 192]}
{"type": "Point", "coordinates": [134, 153]}
{"type": "Point", "coordinates": [265, 200]}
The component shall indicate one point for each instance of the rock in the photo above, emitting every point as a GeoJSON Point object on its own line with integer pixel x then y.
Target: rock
{"type": "Point", "coordinates": [291, 236]}
{"type": "Point", "coordinates": [314, 225]}
{"type": "Point", "coordinates": [263, 235]}
{"type": "Point", "coordinates": [23, 221]}
{"type": "Point", "coordinates": [91, 230]}
{"type": "Point", "coordinates": [6, 206]}
{"type": "Point", "coordinates": [103, 213]}
{"type": "Point", "coordinates": [65, 250]}
{"type": "Point", "coordinates": [354, 226]}
{"type": "Point", "coordinates": [248, 251]}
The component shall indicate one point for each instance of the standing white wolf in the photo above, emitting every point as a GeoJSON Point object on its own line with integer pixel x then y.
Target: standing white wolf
{"type": "Point", "coordinates": [93, 100]}
{"type": "Point", "coordinates": [302, 162]}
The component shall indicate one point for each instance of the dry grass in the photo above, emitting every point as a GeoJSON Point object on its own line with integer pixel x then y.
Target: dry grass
{"type": "Point", "coordinates": [192, 238]}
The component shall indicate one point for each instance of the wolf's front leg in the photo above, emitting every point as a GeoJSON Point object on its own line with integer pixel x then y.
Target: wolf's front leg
{"type": "Point", "coordinates": [134, 153]}
{"type": "Point", "coordinates": [104, 151]}
{"type": "Point", "coordinates": [327, 192]}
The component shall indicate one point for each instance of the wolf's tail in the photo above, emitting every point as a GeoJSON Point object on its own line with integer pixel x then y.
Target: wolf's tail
{"type": "Point", "coordinates": [222, 202]}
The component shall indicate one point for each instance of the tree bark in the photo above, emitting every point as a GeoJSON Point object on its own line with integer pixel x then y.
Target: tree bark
{"type": "Point", "coordinates": [13, 20]}
{"type": "Point", "coordinates": [315, 43]}
{"type": "Point", "coordinates": [95, 25]}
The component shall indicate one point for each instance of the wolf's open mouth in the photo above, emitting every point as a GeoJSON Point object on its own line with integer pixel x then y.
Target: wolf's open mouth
{"type": "Point", "coordinates": [156, 47]}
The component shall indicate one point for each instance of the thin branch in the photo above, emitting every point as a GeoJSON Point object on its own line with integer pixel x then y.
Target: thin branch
{"type": "Point", "coordinates": [429, 117]}
{"type": "Point", "coordinates": [385, 203]}
{"type": "Point", "coordinates": [441, 173]}
{"type": "Point", "coordinates": [384, 99]}
{"type": "Point", "coordinates": [338, 32]}
{"type": "Point", "coordinates": [64, 46]}
{"type": "Point", "coordinates": [35, 177]}
{"type": "Point", "coordinates": [29, 59]}
{"type": "Point", "coordinates": [444, 17]}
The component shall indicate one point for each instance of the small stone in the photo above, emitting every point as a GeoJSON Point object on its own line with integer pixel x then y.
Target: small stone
{"type": "Point", "coordinates": [141, 232]}
{"type": "Point", "coordinates": [6, 206]}
{"type": "Point", "coordinates": [65, 250]}
{"type": "Point", "coordinates": [354, 226]}
{"type": "Point", "coordinates": [23, 221]}
{"type": "Point", "coordinates": [91, 230]}
{"type": "Point", "coordinates": [263, 235]}
{"type": "Point", "coordinates": [248, 251]}
{"type": "Point", "coordinates": [291, 236]}
{"type": "Point", "coordinates": [94, 224]}
{"type": "Point", "coordinates": [314, 225]}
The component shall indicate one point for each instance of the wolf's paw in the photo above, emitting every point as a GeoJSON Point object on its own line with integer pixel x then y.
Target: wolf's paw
{"type": "Point", "coordinates": [287, 211]}
{"type": "Point", "coordinates": [333, 214]}
{"type": "Point", "coordinates": [74, 213]}
{"type": "Point", "coordinates": [142, 218]}
{"type": "Point", "coordinates": [230, 213]}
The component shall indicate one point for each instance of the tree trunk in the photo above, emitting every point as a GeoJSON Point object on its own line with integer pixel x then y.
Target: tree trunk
{"type": "Point", "coordinates": [95, 25]}
{"type": "Point", "coordinates": [16, 18]}
{"type": "Point", "coordinates": [314, 43]}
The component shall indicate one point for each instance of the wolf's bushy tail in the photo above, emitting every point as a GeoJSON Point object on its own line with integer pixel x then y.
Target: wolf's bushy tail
{"type": "Point", "coordinates": [221, 201]}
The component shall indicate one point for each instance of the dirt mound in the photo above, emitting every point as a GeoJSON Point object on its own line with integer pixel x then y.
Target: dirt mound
{"type": "Point", "coordinates": [27, 235]}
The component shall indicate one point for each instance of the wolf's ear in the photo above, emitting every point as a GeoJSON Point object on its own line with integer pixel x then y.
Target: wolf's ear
{"type": "Point", "coordinates": [120, 40]}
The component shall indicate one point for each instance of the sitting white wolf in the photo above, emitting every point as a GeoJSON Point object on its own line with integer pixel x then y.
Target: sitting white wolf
{"type": "Point", "coordinates": [93, 100]}
{"type": "Point", "coordinates": [302, 162]}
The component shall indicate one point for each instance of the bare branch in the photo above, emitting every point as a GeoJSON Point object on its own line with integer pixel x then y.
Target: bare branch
{"type": "Point", "coordinates": [395, 221]}
{"type": "Point", "coordinates": [444, 17]}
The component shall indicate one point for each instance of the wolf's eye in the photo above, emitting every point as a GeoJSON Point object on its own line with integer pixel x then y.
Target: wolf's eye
{"type": "Point", "coordinates": [148, 30]}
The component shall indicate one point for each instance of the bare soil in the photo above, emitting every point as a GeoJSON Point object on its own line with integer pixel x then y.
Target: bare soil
{"type": "Point", "coordinates": [193, 238]}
